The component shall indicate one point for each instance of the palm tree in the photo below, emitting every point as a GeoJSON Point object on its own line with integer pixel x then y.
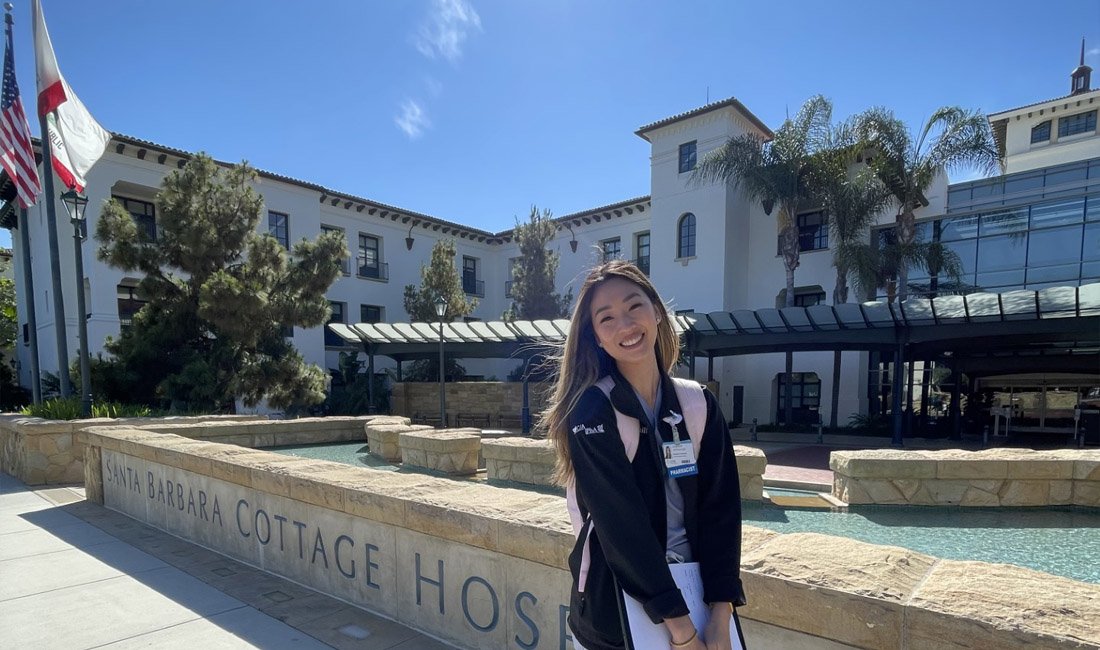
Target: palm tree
{"type": "Point", "coordinates": [951, 138]}
{"type": "Point", "coordinates": [851, 203]}
{"type": "Point", "coordinates": [778, 173]}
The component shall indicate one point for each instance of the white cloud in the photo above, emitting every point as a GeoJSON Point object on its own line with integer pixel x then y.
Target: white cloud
{"type": "Point", "coordinates": [1093, 52]}
{"type": "Point", "coordinates": [412, 119]}
{"type": "Point", "coordinates": [446, 29]}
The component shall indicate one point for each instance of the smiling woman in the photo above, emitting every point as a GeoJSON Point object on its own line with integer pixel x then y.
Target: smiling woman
{"type": "Point", "coordinates": [641, 496]}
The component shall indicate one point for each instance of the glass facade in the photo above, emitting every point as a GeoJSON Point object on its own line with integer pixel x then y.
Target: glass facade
{"type": "Point", "coordinates": [1031, 230]}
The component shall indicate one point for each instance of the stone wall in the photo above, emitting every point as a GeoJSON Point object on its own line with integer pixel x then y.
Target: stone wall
{"type": "Point", "coordinates": [497, 399]}
{"type": "Point", "coordinates": [992, 477]}
{"type": "Point", "coordinates": [46, 452]}
{"type": "Point", "coordinates": [483, 566]}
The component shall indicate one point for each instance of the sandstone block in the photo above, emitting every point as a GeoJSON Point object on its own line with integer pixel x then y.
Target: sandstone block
{"type": "Point", "coordinates": [979, 605]}
{"type": "Point", "coordinates": [883, 463]}
{"type": "Point", "coordinates": [750, 460]}
{"type": "Point", "coordinates": [947, 493]}
{"type": "Point", "coordinates": [972, 468]}
{"type": "Point", "coordinates": [1086, 493]}
{"type": "Point", "coordinates": [836, 588]}
{"type": "Point", "coordinates": [1025, 493]}
{"type": "Point", "coordinates": [752, 488]}
{"type": "Point", "coordinates": [975, 496]}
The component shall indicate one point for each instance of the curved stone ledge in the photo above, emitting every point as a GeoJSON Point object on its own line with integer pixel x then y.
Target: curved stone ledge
{"type": "Point", "coordinates": [42, 452]}
{"type": "Point", "coordinates": [991, 477]}
{"type": "Point", "coordinates": [820, 587]}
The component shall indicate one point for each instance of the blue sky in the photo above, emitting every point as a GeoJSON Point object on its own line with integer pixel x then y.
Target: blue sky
{"type": "Point", "coordinates": [472, 110]}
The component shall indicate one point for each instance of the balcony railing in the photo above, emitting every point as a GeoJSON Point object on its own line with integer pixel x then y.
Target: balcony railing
{"type": "Point", "coordinates": [380, 271]}
{"type": "Point", "coordinates": [473, 287]}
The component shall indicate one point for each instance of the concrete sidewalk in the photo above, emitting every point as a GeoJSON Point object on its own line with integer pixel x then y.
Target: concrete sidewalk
{"type": "Point", "coordinates": [76, 575]}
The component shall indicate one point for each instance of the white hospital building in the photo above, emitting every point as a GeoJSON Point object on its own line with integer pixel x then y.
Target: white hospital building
{"type": "Point", "coordinates": [706, 247]}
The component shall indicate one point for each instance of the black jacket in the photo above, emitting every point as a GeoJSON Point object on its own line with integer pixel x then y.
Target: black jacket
{"type": "Point", "coordinates": [626, 501]}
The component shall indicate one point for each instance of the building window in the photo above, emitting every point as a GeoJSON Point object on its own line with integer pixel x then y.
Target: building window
{"type": "Point", "coordinates": [685, 237]}
{"type": "Point", "coordinates": [144, 214]}
{"type": "Point", "coordinates": [129, 304]}
{"type": "Point", "coordinates": [470, 284]}
{"type": "Point", "coordinates": [611, 249]}
{"type": "Point", "coordinates": [1074, 124]}
{"type": "Point", "coordinates": [338, 314]}
{"type": "Point", "coordinates": [641, 248]}
{"type": "Point", "coordinates": [1040, 133]}
{"type": "Point", "coordinates": [328, 229]}
{"type": "Point", "coordinates": [805, 397]}
{"type": "Point", "coordinates": [687, 156]}
{"type": "Point", "coordinates": [278, 227]}
{"type": "Point", "coordinates": [370, 314]}
{"type": "Point", "coordinates": [808, 299]}
{"type": "Point", "coordinates": [370, 258]}
{"type": "Point", "coordinates": [813, 231]}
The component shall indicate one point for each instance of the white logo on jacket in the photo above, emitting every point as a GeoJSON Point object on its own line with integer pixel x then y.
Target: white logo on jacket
{"type": "Point", "coordinates": [588, 430]}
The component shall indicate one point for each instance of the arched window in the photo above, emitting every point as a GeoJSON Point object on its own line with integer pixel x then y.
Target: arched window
{"type": "Point", "coordinates": [685, 239]}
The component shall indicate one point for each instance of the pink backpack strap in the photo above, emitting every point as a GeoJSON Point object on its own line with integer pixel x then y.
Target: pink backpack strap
{"type": "Point", "coordinates": [629, 427]}
{"type": "Point", "coordinates": [694, 404]}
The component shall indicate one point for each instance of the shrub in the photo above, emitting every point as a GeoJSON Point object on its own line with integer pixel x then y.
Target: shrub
{"type": "Point", "coordinates": [68, 408]}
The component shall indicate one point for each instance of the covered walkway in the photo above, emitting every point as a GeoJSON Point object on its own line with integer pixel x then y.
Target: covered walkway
{"type": "Point", "coordinates": [1050, 330]}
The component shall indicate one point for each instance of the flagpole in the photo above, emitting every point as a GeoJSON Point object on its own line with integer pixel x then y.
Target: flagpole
{"type": "Point", "coordinates": [50, 201]}
{"type": "Point", "coordinates": [32, 317]}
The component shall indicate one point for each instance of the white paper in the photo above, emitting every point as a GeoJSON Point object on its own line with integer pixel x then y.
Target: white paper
{"type": "Point", "coordinates": [650, 636]}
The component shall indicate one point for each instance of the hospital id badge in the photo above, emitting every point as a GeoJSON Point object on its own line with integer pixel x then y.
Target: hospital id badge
{"type": "Point", "coordinates": [679, 459]}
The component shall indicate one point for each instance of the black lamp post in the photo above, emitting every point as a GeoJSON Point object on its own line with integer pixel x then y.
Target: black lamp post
{"type": "Point", "coordinates": [75, 204]}
{"type": "Point", "coordinates": [441, 311]}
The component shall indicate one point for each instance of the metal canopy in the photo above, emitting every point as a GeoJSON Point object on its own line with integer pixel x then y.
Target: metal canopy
{"type": "Point", "coordinates": [1056, 321]}
{"type": "Point", "coordinates": [474, 340]}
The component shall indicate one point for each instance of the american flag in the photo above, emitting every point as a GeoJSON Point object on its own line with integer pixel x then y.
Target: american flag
{"type": "Point", "coordinates": [16, 154]}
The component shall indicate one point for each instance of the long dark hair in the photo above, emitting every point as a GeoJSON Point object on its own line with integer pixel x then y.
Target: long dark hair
{"type": "Point", "coordinates": [582, 362]}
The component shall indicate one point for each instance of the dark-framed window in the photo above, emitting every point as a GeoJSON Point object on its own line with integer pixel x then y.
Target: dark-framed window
{"type": "Point", "coordinates": [370, 256]}
{"type": "Point", "coordinates": [327, 229]}
{"type": "Point", "coordinates": [1074, 124]}
{"type": "Point", "coordinates": [687, 156]}
{"type": "Point", "coordinates": [370, 313]}
{"type": "Point", "coordinates": [685, 236]}
{"type": "Point", "coordinates": [470, 284]}
{"type": "Point", "coordinates": [611, 249]}
{"type": "Point", "coordinates": [641, 248]}
{"type": "Point", "coordinates": [805, 397]}
{"type": "Point", "coordinates": [144, 214]}
{"type": "Point", "coordinates": [338, 314]}
{"type": "Point", "coordinates": [809, 299]}
{"type": "Point", "coordinates": [278, 225]}
{"type": "Point", "coordinates": [1040, 133]}
{"type": "Point", "coordinates": [813, 231]}
{"type": "Point", "coordinates": [129, 304]}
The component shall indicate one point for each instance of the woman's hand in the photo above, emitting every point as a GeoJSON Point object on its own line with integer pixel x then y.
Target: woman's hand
{"type": "Point", "coordinates": [682, 634]}
{"type": "Point", "coordinates": [717, 633]}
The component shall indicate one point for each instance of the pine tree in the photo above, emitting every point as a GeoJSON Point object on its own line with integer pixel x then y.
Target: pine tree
{"type": "Point", "coordinates": [533, 274]}
{"type": "Point", "coordinates": [220, 295]}
{"type": "Point", "coordinates": [438, 278]}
